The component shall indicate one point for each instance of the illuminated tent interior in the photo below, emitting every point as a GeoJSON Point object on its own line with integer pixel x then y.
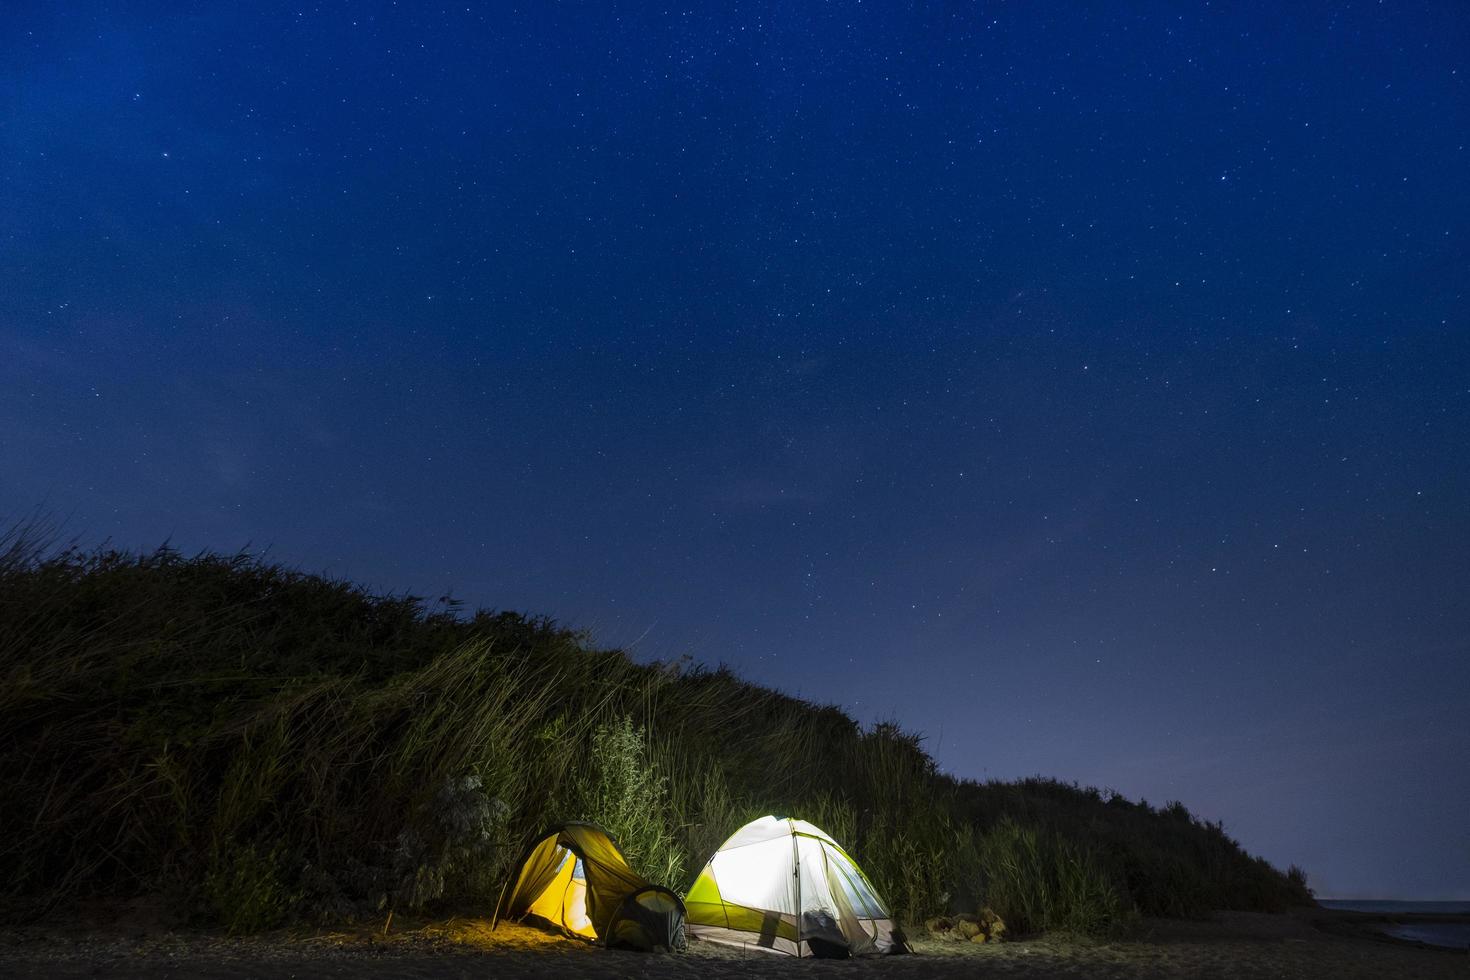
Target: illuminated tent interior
{"type": "Point", "coordinates": [784, 885]}
{"type": "Point", "coordinates": [574, 878]}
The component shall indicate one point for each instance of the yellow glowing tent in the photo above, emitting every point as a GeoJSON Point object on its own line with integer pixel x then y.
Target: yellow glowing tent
{"type": "Point", "coordinates": [575, 878]}
{"type": "Point", "coordinates": [785, 886]}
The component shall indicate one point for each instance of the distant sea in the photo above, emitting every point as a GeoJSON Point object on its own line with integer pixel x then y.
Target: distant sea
{"type": "Point", "coordinates": [1455, 935]}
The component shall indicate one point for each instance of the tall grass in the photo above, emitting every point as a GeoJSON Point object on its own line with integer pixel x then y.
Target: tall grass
{"type": "Point", "coordinates": [267, 746]}
{"type": "Point", "coordinates": [1038, 880]}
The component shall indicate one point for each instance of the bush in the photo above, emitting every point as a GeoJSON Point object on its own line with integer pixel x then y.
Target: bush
{"type": "Point", "coordinates": [621, 789]}
{"type": "Point", "coordinates": [246, 888]}
{"type": "Point", "coordinates": [455, 846]}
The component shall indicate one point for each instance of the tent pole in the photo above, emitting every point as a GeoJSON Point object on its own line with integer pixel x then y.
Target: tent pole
{"type": "Point", "coordinates": [796, 870]}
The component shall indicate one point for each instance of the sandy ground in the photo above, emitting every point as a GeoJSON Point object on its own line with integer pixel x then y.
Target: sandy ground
{"type": "Point", "coordinates": [1233, 945]}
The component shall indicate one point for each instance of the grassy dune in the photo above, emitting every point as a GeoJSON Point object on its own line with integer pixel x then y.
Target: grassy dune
{"type": "Point", "coordinates": [265, 746]}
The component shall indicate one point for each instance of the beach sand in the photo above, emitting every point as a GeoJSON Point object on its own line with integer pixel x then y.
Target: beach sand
{"type": "Point", "coordinates": [1231, 945]}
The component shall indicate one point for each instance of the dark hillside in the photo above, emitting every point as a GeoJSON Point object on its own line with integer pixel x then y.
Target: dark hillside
{"type": "Point", "coordinates": [268, 745]}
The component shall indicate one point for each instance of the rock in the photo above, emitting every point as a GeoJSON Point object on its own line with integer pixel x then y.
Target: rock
{"type": "Point", "coordinates": [938, 926]}
{"type": "Point", "coordinates": [994, 924]}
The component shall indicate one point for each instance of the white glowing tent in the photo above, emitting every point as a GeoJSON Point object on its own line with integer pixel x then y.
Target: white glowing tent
{"type": "Point", "coordinates": [784, 885]}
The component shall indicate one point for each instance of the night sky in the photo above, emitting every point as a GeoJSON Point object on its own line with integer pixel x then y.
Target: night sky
{"type": "Point", "coordinates": [1084, 385]}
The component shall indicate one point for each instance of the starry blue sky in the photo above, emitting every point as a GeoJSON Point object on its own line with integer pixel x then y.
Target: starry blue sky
{"type": "Point", "coordinates": [1085, 385]}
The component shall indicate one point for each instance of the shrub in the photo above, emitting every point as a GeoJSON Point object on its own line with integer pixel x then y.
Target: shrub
{"type": "Point", "coordinates": [246, 888]}
{"type": "Point", "coordinates": [1296, 878]}
{"type": "Point", "coordinates": [622, 790]}
{"type": "Point", "coordinates": [455, 846]}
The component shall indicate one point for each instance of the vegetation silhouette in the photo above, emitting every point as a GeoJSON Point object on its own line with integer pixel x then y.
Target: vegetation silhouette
{"type": "Point", "coordinates": [266, 746]}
